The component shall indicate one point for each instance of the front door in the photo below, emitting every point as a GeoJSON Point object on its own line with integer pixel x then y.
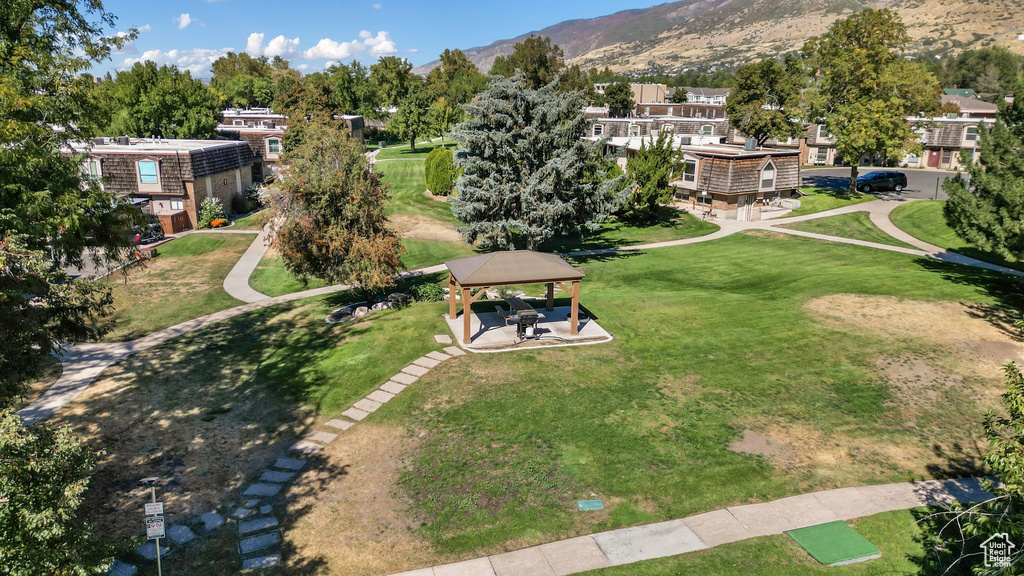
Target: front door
{"type": "Point", "coordinates": [742, 208]}
{"type": "Point", "coordinates": [933, 158]}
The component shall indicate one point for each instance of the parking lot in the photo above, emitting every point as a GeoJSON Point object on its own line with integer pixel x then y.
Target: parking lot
{"type": "Point", "coordinates": [920, 183]}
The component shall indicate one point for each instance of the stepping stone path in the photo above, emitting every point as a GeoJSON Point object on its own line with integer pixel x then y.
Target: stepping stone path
{"type": "Point", "coordinates": [180, 534]}
{"type": "Point", "coordinates": [261, 562]}
{"type": "Point", "coordinates": [258, 543]}
{"type": "Point", "coordinates": [257, 525]}
{"type": "Point", "coordinates": [276, 476]}
{"type": "Point", "coordinates": [262, 489]}
{"type": "Point", "coordinates": [148, 550]}
{"type": "Point", "coordinates": [119, 568]}
{"type": "Point", "coordinates": [241, 512]}
{"type": "Point", "coordinates": [211, 521]}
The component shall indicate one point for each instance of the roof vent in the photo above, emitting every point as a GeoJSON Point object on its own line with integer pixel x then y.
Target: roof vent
{"type": "Point", "coordinates": [123, 141]}
{"type": "Point", "coordinates": [685, 140]}
{"type": "Point", "coordinates": [750, 145]}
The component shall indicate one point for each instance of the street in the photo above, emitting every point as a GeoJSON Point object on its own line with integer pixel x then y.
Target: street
{"type": "Point", "coordinates": [920, 183]}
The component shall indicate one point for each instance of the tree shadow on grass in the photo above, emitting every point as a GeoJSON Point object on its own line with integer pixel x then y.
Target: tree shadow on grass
{"type": "Point", "coordinates": [1007, 292]}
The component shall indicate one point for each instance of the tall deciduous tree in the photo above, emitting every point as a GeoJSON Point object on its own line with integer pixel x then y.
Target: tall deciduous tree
{"type": "Point", "coordinates": [413, 117]}
{"type": "Point", "coordinates": [443, 115]}
{"type": "Point", "coordinates": [987, 209]}
{"type": "Point", "coordinates": [353, 93]}
{"type": "Point", "coordinates": [527, 173]}
{"type": "Point", "coordinates": [455, 78]}
{"type": "Point", "coordinates": [392, 78]}
{"type": "Point", "coordinates": [651, 169]}
{"type": "Point", "coordinates": [49, 211]}
{"type": "Point", "coordinates": [765, 102]}
{"type": "Point", "coordinates": [244, 81]}
{"type": "Point", "coordinates": [539, 59]}
{"type": "Point", "coordinates": [619, 97]}
{"type": "Point", "coordinates": [44, 473]}
{"type": "Point", "coordinates": [150, 100]}
{"type": "Point", "coordinates": [867, 89]}
{"type": "Point", "coordinates": [331, 206]}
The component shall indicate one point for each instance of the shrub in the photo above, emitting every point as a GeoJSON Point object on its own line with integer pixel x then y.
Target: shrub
{"type": "Point", "coordinates": [210, 210]}
{"type": "Point", "coordinates": [427, 293]}
{"type": "Point", "coordinates": [250, 200]}
{"type": "Point", "coordinates": [440, 171]}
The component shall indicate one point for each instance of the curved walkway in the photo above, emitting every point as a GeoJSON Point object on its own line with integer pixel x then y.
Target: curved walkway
{"type": "Point", "coordinates": [674, 537]}
{"type": "Point", "coordinates": [236, 283]}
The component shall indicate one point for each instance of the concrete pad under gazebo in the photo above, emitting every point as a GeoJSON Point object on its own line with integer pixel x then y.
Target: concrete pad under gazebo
{"type": "Point", "coordinates": [511, 268]}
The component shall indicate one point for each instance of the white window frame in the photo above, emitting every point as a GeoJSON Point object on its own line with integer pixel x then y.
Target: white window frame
{"type": "Point", "coordinates": [598, 130]}
{"type": "Point", "coordinates": [708, 129]}
{"type": "Point", "coordinates": [671, 109]}
{"type": "Point", "coordinates": [760, 177]}
{"type": "Point", "coordinates": [819, 157]}
{"type": "Point", "coordinates": [668, 128]}
{"type": "Point", "coordinates": [147, 186]}
{"type": "Point", "coordinates": [180, 203]}
{"type": "Point", "coordinates": [634, 128]}
{"type": "Point", "coordinates": [967, 133]}
{"type": "Point", "coordinates": [823, 136]}
{"type": "Point", "coordinates": [690, 177]}
{"type": "Point", "coordinates": [89, 163]}
{"type": "Point", "coordinates": [238, 122]}
{"type": "Point", "coordinates": [270, 152]}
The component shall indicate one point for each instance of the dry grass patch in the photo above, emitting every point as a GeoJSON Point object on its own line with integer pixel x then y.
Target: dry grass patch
{"type": "Point", "coordinates": [424, 228]}
{"type": "Point", "coordinates": [349, 514]}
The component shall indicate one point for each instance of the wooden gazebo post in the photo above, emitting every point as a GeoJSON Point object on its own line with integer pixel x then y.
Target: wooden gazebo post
{"type": "Point", "coordinates": [467, 305]}
{"type": "Point", "coordinates": [551, 296]}
{"type": "Point", "coordinates": [574, 316]}
{"type": "Point", "coordinates": [451, 296]}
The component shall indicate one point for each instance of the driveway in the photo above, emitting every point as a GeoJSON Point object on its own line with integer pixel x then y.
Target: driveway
{"type": "Point", "coordinates": [920, 183]}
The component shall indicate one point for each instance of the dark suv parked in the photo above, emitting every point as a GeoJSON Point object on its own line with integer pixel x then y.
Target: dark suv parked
{"type": "Point", "coordinates": [882, 180]}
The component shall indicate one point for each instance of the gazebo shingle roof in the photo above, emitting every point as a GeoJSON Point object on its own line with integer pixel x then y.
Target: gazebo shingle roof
{"type": "Point", "coordinates": [511, 267]}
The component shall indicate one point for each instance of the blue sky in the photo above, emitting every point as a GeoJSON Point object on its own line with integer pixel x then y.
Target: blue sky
{"type": "Point", "coordinates": [314, 33]}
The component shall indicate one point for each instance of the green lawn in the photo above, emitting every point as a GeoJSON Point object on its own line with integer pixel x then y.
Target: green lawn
{"type": "Point", "coordinates": [710, 340]}
{"type": "Point", "coordinates": [924, 220]}
{"type": "Point", "coordinates": [670, 225]}
{"type": "Point", "coordinates": [184, 281]}
{"type": "Point", "coordinates": [895, 534]}
{"type": "Point", "coordinates": [408, 191]}
{"type": "Point", "coordinates": [271, 278]}
{"type": "Point", "coordinates": [252, 221]}
{"type": "Point", "coordinates": [403, 151]}
{"type": "Point", "coordinates": [856, 225]}
{"type": "Point", "coordinates": [821, 199]}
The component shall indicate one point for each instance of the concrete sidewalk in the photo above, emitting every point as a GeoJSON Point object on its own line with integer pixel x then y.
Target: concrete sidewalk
{"type": "Point", "coordinates": [236, 283]}
{"type": "Point", "coordinates": [674, 537]}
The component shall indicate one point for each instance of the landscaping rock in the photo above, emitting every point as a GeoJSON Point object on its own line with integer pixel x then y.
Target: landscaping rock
{"type": "Point", "coordinates": [399, 298]}
{"type": "Point", "coordinates": [380, 396]}
{"type": "Point", "coordinates": [242, 513]}
{"type": "Point", "coordinates": [355, 414]}
{"type": "Point", "coordinates": [257, 525]}
{"type": "Point", "coordinates": [212, 521]}
{"type": "Point", "coordinates": [180, 534]}
{"type": "Point", "coordinates": [290, 463]}
{"type": "Point", "coordinates": [321, 437]}
{"type": "Point", "coordinates": [261, 562]}
{"type": "Point", "coordinates": [256, 543]}
{"type": "Point", "coordinates": [367, 405]}
{"type": "Point", "coordinates": [148, 551]}
{"type": "Point", "coordinates": [261, 489]}
{"type": "Point", "coordinates": [339, 424]}
{"type": "Point", "coordinates": [392, 387]}
{"type": "Point", "coordinates": [360, 312]}
{"type": "Point", "coordinates": [455, 351]}
{"type": "Point", "coordinates": [276, 476]}
{"type": "Point", "coordinates": [119, 568]}
{"type": "Point", "coordinates": [442, 339]}
{"type": "Point", "coordinates": [266, 509]}
{"type": "Point", "coordinates": [339, 316]}
{"type": "Point", "coordinates": [251, 503]}
{"type": "Point", "coordinates": [306, 447]}
{"type": "Point", "coordinates": [381, 306]}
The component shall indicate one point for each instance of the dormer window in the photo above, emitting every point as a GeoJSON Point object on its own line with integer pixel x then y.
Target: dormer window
{"type": "Point", "coordinates": [707, 129]}
{"type": "Point", "coordinates": [768, 176]}
{"type": "Point", "coordinates": [149, 175]}
{"type": "Point", "coordinates": [93, 169]}
{"type": "Point", "coordinates": [822, 133]}
{"type": "Point", "coordinates": [634, 131]}
{"type": "Point", "coordinates": [971, 134]}
{"type": "Point", "coordinates": [598, 129]}
{"type": "Point", "coordinates": [273, 145]}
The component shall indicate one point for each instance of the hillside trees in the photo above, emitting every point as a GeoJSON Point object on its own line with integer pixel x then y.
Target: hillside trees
{"type": "Point", "coordinates": [987, 209]}
{"type": "Point", "coordinates": [527, 173]}
{"type": "Point", "coordinates": [765, 102]}
{"type": "Point", "coordinates": [867, 90]}
{"type": "Point", "coordinates": [150, 100]}
{"type": "Point", "coordinates": [991, 71]}
{"type": "Point", "coordinates": [539, 59]}
{"type": "Point", "coordinates": [331, 206]}
{"type": "Point", "coordinates": [49, 211]}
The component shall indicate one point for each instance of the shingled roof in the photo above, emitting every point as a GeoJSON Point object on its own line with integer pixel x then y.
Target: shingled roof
{"type": "Point", "coordinates": [511, 267]}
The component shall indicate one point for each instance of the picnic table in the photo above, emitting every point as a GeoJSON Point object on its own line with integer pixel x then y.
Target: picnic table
{"type": "Point", "coordinates": [519, 305]}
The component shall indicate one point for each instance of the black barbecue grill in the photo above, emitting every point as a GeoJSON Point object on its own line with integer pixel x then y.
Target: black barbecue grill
{"type": "Point", "coordinates": [526, 319]}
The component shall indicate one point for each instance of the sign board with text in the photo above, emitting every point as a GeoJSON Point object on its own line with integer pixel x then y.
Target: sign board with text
{"type": "Point", "coordinates": [154, 527]}
{"type": "Point", "coordinates": [154, 508]}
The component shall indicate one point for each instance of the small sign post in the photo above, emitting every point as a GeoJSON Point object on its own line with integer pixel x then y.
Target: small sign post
{"type": "Point", "coordinates": [154, 520]}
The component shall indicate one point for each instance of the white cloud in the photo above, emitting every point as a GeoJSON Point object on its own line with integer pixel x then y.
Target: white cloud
{"type": "Point", "coordinates": [364, 34]}
{"type": "Point", "coordinates": [278, 46]}
{"type": "Point", "coordinates": [144, 28]}
{"type": "Point", "coordinates": [378, 6]}
{"type": "Point", "coordinates": [303, 67]}
{"type": "Point", "coordinates": [196, 60]}
{"type": "Point", "coordinates": [413, 50]}
{"type": "Point", "coordinates": [327, 48]}
{"type": "Point", "coordinates": [183, 21]}
{"type": "Point", "coordinates": [381, 44]}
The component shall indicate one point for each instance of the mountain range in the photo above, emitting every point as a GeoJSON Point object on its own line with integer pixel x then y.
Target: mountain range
{"type": "Point", "coordinates": [704, 33]}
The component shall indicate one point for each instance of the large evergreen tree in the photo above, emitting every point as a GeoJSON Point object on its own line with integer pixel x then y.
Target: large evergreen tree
{"type": "Point", "coordinates": [987, 209]}
{"type": "Point", "coordinates": [651, 169]}
{"type": "Point", "coordinates": [868, 90]}
{"type": "Point", "coordinates": [765, 101]}
{"type": "Point", "coordinates": [539, 59]}
{"type": "Point", "coordinates": [49, 211]}
{"type": "Point", "coordinates": [527, 173]}
{"type": "Point", "coordinates": [331, 208]}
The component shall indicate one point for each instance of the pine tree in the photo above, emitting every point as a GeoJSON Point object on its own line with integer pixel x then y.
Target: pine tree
{"type": "Point", "coordinates": [527, 173]}
{"type": "Point", "coordinates": [987, 209]}
{"type": "Point", "coordinates": [651, 169]}
{"type": "Point", "coordinates": [332, 210]}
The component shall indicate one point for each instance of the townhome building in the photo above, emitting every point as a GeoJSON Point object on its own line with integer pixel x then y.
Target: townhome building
{"type": "Point", "coordinates": [169, 178]}
{"type": "Point", "coordinates": [716, 96]}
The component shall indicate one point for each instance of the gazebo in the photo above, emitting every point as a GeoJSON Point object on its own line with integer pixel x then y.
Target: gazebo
{"type": "Point", "coordinates": [509, 268]}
